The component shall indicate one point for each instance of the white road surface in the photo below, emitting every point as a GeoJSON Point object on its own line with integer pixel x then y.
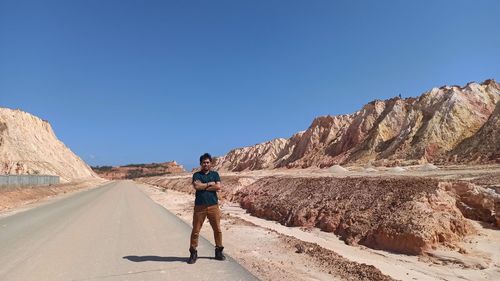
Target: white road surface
{"type": "Point", "coordinates": [113, 232]}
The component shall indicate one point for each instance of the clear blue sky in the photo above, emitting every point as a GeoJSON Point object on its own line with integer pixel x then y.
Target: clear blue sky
{"type": "Point", "coordinates": [151, 81]}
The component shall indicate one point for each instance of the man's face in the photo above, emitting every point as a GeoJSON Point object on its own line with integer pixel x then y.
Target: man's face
{"type": "Point", "coordinates": [205, 165]}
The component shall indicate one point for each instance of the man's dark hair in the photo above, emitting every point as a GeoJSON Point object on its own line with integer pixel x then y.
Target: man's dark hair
{"type": "Point", "coordinates": [205, 156]}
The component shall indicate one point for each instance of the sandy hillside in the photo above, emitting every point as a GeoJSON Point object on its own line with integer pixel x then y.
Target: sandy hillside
{"type": "Point", "coordinates": [28, 145]}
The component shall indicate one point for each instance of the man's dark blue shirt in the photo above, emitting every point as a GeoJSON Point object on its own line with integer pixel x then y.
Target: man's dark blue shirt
{"type": "Point", "coordinates": [205, 197]}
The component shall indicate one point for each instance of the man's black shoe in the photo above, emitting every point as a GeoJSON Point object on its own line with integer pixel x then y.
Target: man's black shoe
{"type": "Point", "coordinates": [218, 254]}
{"type": "Point", "coordinates": [193, 256]}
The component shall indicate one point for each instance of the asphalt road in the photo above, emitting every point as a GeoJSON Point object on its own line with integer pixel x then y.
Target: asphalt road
{"type": "Point", "coordinates": [113, 232]}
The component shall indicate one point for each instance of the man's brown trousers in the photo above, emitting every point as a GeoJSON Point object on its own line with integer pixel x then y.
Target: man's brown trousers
{"type": "Point", "coordinates": [201, 212]}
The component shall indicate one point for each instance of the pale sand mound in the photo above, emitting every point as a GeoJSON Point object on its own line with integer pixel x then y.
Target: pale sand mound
{"type": "Point", "coordinates": [337, 169]}
{"type": "Point", "coordinates": [397, 170]}
{"type": "Point", "coordinates": [427, 167]}
{"type": "Point", "coordinates": [370, 170]}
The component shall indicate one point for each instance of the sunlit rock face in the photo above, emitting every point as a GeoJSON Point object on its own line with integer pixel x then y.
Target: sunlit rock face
{"type": "Point", "coordinates": [28, 145]}
{"type": "Point", "coordinates": [449, 123]}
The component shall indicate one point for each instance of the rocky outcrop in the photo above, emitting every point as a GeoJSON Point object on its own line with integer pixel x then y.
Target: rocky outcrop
{"type": "Point", "coordinates": [484, 146]}
{"type": "Point", "coordinates": [133, 171]}
{"type": "Point", "coordinates": [318, 144]}
{"type": "Point", "coordinates": [405, 215]}
{"type": "Point", "coordinates": [442, 122]}
{"type": "Point", "coordinates": [28, 145]}
{"type": "Point", "coordinates": [260, 156]}
{"type": "Point", "coordinates": [475, 202]}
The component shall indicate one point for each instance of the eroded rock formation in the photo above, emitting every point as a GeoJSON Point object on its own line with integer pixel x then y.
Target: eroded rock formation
{"type": "Point", "coordinates": [445, 123]}
{"type": "Point", "coordinates": [484, 146]}
{"type": "Point", "coordinates": [406, 215]}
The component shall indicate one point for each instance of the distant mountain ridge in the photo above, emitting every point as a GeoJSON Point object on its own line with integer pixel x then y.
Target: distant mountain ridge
{"type": "Point", "coordinates": [133, 171]}
{"type": "Point", "coordinates": [28, 145]}
{"type": "Point", "coordinates": [446, 124]}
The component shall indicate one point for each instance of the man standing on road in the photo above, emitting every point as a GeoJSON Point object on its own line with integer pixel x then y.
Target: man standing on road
{"type": "Point", "coordinates": [207, 183]}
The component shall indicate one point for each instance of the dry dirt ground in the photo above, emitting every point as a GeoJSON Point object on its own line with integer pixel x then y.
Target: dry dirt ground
{"type": "Point", "coordinates": [272, 251]}
{"type": "Point", "coordinates": [267, 252]}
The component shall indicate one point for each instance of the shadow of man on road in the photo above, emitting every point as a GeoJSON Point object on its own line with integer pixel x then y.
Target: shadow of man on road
{"type": "Point", "coordinates": [158, 258]}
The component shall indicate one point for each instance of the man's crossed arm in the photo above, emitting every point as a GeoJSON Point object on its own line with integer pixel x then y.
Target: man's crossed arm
{"type": "Point", "coordinates": [211, 186]}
